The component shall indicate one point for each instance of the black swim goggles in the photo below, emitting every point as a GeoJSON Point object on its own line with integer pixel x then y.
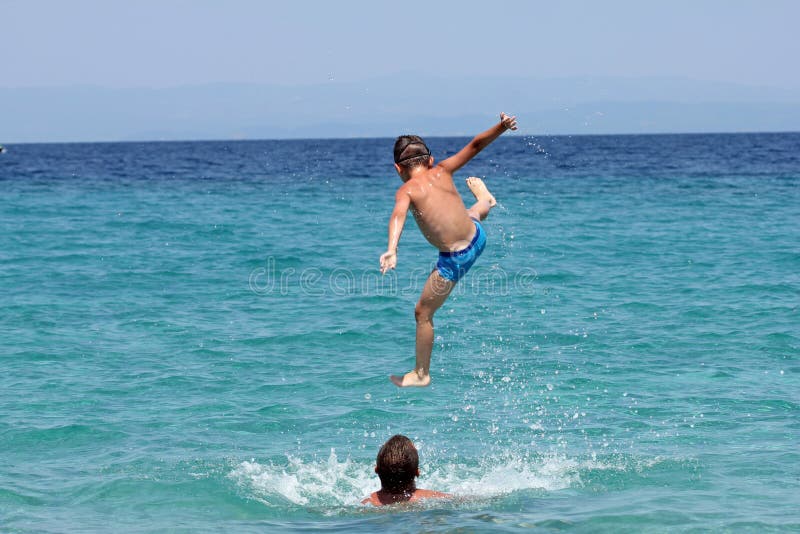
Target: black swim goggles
{"type": "Point", "coordinates": [426, 153]}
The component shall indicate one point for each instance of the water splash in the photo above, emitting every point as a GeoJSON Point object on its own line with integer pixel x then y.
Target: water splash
{"type": "Point", "coordinates": [334, 483]}
{"type": "Point", "coordinates": [314, 483]}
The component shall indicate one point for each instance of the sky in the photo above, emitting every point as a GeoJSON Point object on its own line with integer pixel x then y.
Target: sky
{"type": "Point", "coordinates": [164, 43]}
{"type": "Point", "coordinates": [129, 53]}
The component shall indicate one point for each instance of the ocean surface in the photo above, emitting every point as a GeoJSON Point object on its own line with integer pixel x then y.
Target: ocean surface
{"type": "Point", "coordinates": [194, 337]}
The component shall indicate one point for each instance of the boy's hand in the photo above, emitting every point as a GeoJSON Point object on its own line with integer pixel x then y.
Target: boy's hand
{"type": "Point", "coordinates": [388, 261]}
{"type": "Point", "coordinates": [509, 123]}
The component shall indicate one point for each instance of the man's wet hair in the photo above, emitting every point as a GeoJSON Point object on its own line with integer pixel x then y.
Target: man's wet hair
{"type": "Point", "coordinates": [397, 464]}
{"type": "Point", "coordinates": [411, 151]}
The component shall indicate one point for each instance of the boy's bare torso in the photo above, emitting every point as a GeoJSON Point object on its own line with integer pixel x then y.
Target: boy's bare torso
{"type": "Point", "coordinates": [438, 209]}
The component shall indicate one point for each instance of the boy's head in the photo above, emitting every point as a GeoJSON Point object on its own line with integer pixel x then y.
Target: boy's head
{"type": "Point", "coordinates": [411, 151]}
{"type": "Point", "coordinates": [397, 464]}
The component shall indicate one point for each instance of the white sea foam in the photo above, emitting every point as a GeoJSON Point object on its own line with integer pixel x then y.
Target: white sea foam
{"type": "Point", "coordinates": [331, 482]}
{"type": "Point", "coordinates": [316, 483]}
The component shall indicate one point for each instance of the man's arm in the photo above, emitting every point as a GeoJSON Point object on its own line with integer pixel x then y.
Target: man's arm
{"type": "Point", "coordinates": [396, 222]}
{"type": "Point", "coordinates": [481, 141]}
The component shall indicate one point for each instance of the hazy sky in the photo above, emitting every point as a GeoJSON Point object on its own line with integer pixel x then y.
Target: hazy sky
{"type": "Point", "coordinates": [161, 43]}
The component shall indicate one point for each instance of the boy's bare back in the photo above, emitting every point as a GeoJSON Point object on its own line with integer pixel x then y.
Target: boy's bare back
{"type": "Point", "coordinates": [438, 209]}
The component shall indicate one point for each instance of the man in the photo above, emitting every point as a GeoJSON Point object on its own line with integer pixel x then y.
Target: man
{"type": "Point", "coordinates": [397, 466]}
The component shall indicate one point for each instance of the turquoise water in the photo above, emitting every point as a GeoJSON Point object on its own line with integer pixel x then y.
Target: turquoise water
{"type": "Point", "coordinates": [194, 337]}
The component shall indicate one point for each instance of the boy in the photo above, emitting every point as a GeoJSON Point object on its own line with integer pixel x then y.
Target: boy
{"type": "Point", "coordinates": [445, 222]}
{"type": "Point", "coordinates": [397, 466]}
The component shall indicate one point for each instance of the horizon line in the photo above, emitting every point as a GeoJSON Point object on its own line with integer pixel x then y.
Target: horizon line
{"type": "Point", "coordinates": [355, 138]}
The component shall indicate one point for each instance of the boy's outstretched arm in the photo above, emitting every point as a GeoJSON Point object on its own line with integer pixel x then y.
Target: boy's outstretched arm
{"type": "Point", "coordinates": [481, 141]}
{"type": "Point", "coordinates": [396, 222]}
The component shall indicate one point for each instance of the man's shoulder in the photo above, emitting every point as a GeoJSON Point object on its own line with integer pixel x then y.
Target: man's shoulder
{"type": "Point", "coordinates": [372, 499]}
{"type": "Point", "coordinates": [430, 494]}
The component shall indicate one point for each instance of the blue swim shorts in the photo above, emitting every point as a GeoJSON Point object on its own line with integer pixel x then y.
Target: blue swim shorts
{"type": "Point", "coordinates": [454, 265]}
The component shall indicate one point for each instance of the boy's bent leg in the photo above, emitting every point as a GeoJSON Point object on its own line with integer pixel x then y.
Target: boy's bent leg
{"type": "Point", "coordinates": [486, 200]}
{"type": "Point", "coordinates": [435, 292]}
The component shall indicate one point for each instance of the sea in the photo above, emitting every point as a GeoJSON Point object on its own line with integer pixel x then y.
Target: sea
{"type": "Point", "coordinates": [195, 337]}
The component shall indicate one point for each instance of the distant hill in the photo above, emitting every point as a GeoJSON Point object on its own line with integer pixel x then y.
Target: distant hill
{"type": "Point", "coordinates": [388, 106]}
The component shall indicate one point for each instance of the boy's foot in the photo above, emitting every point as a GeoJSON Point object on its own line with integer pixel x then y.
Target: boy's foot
{"type": "Point", "coordinates": [410, 379]}
{"type": "Point", "coordinates": [480, 191]}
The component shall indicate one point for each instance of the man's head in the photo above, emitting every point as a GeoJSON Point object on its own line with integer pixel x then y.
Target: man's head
{"type": "Point", "coordinates": [411, 151]}
{"type": "Point", "coordinates": [397, 464]}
